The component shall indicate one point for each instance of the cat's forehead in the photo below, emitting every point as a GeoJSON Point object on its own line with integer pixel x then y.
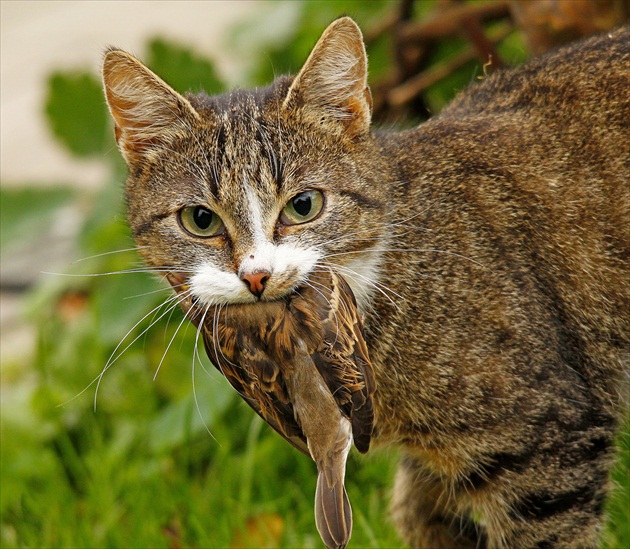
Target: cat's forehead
{"type": "Point", "coordinates": [244, 137]}
{"type": "Point", "coordinates": [242, 110]}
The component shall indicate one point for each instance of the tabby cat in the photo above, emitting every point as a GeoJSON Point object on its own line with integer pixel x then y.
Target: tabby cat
{"type": "Point", "coordinates": [487, 250]}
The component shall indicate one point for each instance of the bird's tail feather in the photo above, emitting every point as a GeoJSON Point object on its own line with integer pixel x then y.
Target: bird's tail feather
{"type": "Point", "coordinates": [333, 514]}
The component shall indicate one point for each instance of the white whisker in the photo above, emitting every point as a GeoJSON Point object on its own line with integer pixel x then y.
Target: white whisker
{"type": "Point", "coordinates": [410, 250]}
{"type": "Point", "coordinates": [150, 270]}
{"type": "Point", "coordinates": [159, 290]}
{"type": "Point", "coordinates": [169, 344]}
{"type": "Point", "coordinates": [135, 248]}
{"type": "Point", "coordinates": [172, 303]}
{"type": "Point", "coordinates": [194, 388]}
{"type": "Point", "coordinates": [376, 285]}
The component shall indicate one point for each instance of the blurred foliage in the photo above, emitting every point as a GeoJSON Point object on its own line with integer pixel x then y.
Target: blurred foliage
{"type": "Point", "coordinates": [289, 31]}
{"type": "Point", "coordinates": [80, 94]}
{"type": "Point", "coordinates": [25, 214]}
{"type": "Point", "coordinates": [182, 68]}
{"type": "Point", "coordinates": [179, 460]}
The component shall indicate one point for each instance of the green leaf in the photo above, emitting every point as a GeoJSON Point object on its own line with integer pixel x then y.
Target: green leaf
{"type": "Point", "coordinates": [77, 114]}
{"type": "Point", "coordinates": [182, 68]}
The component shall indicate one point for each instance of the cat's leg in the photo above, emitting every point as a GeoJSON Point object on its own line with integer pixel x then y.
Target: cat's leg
{"type": "Point", "coordinates": [551, 497]}
{"type": "Point", "coordinates": [423, 511]}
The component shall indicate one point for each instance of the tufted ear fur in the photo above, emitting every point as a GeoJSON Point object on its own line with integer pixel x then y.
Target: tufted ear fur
{"type": "Point", "coordinates": [147, 112]}
{"type": "Point", "coordinates": [333, 82]}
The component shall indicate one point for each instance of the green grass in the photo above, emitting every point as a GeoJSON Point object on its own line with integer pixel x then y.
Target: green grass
{"type": "Point", "coordinates": [617, 532]}
{"type": "Point", "coordinates": [147, 474]}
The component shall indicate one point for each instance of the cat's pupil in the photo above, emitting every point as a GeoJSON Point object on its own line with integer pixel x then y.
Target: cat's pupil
{"type": "Point", "coordinates": [202, 217]}
{"type": "Point", "coordinates": [302, 204]}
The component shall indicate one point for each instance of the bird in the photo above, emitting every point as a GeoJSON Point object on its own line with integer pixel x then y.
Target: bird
{"type": "Point", "coordinates": [302, 363]}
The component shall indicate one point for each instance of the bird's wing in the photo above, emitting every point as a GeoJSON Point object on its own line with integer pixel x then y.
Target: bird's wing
{"type": "Point", "coordinates": [259, 381]}
{"type": "Point", "coordinates": [343, 360]}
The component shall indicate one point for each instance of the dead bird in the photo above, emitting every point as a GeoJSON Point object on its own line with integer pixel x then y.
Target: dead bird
{"type": "Point", "coordinates": [302, 364]}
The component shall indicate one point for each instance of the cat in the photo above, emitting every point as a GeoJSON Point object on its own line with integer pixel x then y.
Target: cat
{"type": "Point", "coordinates": [487, 250]}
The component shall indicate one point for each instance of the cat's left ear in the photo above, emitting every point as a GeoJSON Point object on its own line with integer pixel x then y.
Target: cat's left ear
{"type": "Point", "coordinates": [332, 85]}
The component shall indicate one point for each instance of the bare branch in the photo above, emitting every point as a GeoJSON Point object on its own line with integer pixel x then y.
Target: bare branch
{"type": "Point", "coordinates": [406, 91]}
{"type": "Point", "coordinates": [450, 20]}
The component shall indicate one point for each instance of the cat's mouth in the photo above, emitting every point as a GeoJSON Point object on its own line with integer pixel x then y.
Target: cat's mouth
{"type": "Point", "coordinates": [181, 284]}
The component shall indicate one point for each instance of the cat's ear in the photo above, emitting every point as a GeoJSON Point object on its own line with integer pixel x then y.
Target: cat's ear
{"type": "Point", "coordinates": [333, 82]}
{"type": "Point", "coordinates": [147, 112]}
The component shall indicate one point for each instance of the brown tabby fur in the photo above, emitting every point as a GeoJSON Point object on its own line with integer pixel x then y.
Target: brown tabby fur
{"type": "Point", "coordinates": [495, 239]}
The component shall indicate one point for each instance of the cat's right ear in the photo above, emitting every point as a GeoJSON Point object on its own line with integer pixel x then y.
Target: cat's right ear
{"type": "Point", "coordinates": [332, 85]}
{"type": "Point", "coordinates": [147, 112]}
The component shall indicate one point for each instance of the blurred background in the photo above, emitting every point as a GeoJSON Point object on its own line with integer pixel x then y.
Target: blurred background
{"type": "Point", "coordinates": [99, 448]}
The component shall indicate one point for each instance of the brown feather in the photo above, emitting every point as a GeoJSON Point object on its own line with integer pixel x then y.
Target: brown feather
{"type": "Point", "coordinates": [253, 345]}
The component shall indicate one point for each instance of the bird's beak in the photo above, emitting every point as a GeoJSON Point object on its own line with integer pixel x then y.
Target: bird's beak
{"type": "Point", "coordinates": [178, 281]}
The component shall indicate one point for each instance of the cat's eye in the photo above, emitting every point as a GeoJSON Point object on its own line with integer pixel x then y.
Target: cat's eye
{"type": "Point", "coordinates": [302, 207]}
{"type": "Point", "coordinates": [200, 221]}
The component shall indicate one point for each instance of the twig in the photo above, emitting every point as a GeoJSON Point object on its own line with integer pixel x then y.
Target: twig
{"type": "Point", "coordinates": [472, 29]}
{"type": "Point", "coordinates": [450, 20]}
{"type": "Point", "coordinates": [405, 92]}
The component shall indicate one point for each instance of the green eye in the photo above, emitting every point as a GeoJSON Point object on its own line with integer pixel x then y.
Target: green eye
{"type": "Point", "coordinates": [200, 221]}
{"type": "Point", "coordinates": [302, 207]}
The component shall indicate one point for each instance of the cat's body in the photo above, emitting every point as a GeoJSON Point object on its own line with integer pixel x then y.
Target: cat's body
{"type": "Point", "coordinates": [518, 349]}
{"type": "Point", "coordinates": [487, 250]}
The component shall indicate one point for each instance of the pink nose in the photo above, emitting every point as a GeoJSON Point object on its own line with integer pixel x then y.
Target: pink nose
{"type": "Point", "coordinates": [256, 281]}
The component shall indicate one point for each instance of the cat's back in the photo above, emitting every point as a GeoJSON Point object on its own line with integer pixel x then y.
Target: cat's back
{"type": "Point", "coordinates": [527, 173]}
{"type": "Point", "coordinates": [549, 138]}
{"type": "Point", "coordinates": [570, 108]}
{"type": "Point", "coordinates": [588, 78]}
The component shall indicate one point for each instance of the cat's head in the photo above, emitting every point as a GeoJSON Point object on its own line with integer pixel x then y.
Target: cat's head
{"type": "Point", "coordinates": [239, 197]}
